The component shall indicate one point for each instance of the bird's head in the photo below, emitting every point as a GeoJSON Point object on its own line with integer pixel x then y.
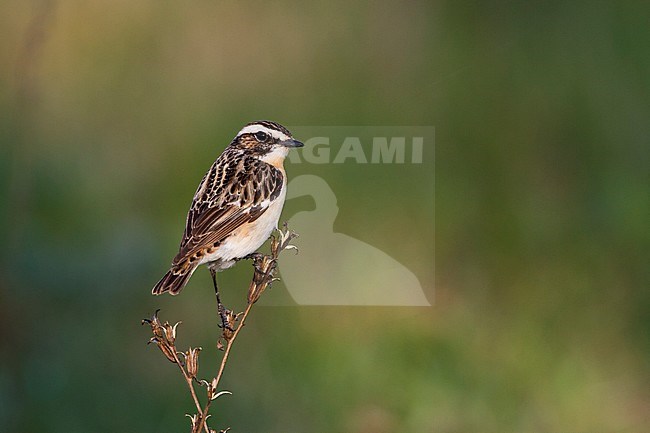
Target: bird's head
{"type": "Point", "coordinates": [266, 140]}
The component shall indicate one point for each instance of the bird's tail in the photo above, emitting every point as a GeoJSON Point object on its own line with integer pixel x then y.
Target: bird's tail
{"type": "Point", "coordinates": [173, 281]}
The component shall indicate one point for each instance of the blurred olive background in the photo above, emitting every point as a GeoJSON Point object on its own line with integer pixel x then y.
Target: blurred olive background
{"type": "Point", "coordinates": [111, 111]}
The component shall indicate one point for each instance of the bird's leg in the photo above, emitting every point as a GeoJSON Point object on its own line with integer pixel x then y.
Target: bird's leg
{"type": "Point", "coordinates": [220, 308]}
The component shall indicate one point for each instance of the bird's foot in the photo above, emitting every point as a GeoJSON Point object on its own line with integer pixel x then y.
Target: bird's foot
{"type": "Point", "coordinates": [253, 256]}
{"type": "Point", "coordinates": [227, 320]}
{"type": "Point", "coordinates": [257, 258]}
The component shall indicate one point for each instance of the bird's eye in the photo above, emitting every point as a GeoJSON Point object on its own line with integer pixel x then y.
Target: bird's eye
{"type": "Point", "coordinates": [261, 136]}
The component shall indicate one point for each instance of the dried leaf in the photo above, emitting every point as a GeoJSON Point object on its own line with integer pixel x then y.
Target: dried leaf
{"type": "Point", "coordinates": [219, 394]}
{"type": "Point", "coordinates": [196, 422]}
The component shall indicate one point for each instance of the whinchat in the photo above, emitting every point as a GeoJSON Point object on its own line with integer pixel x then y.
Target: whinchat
{"type": "Point", "coordinates": [236, 206]}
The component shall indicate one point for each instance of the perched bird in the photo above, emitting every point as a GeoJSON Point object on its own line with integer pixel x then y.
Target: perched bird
{"type": "Point", "coordinates": [236, 206]}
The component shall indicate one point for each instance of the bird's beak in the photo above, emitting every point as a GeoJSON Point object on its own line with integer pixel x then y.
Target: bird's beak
{"type": "Point", "coordinates": [292, 143]}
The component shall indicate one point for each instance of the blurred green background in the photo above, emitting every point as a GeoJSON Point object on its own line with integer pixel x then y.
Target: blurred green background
{"type": "Point", "coordinates": [111, 111]}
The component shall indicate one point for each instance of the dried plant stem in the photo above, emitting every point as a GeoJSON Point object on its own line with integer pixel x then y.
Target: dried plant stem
{"type": "Point", "coordinates": [190, 385]}
{"type": "Point", "coordinates": [164, 334]}
{"type": "Point", "coordinates": [224, 360]}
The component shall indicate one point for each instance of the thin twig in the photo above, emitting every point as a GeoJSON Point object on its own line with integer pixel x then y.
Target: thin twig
{"type": "Point", "coordinates": [190, 384]}
{"type": "Point", "coordinates": [224, 360]}
{"type": "Point", "coordinates": [164, 334]}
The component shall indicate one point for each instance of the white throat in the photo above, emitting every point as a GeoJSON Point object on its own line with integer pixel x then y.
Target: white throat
{"type": "Point", "coordinates": [276, 156]}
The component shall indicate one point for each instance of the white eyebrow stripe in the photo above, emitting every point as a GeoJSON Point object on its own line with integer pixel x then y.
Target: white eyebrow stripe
{"type": "Point", "coordinates": [252, 129]}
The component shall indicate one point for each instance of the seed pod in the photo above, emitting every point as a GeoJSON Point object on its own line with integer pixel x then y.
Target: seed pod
{"type": "Point", "coordinates": [168, 351]}
{"type": "Point", "coordinates": [170, 332]}
{"type": "Point", "coordinates": [192, 361]}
